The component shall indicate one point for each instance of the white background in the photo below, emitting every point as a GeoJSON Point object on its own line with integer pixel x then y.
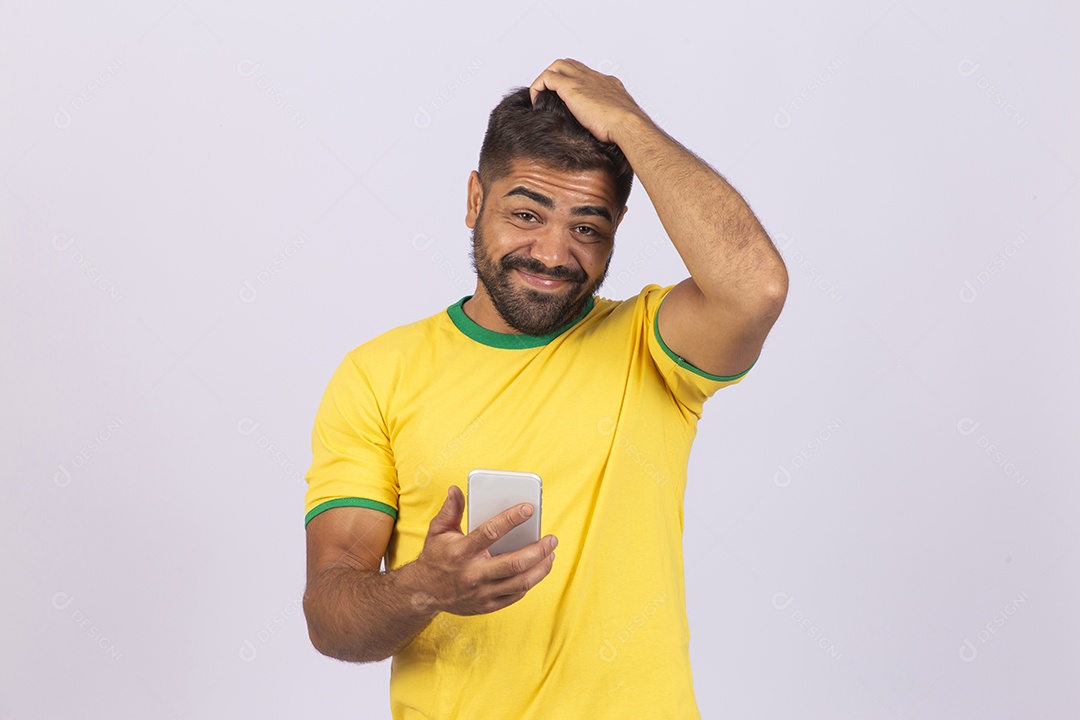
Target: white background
{"type": "Point", "coordinates": [206, 205]}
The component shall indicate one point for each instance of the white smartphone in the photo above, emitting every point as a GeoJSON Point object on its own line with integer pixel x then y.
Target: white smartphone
{"type": "Point", "coordinates": [494, 491]}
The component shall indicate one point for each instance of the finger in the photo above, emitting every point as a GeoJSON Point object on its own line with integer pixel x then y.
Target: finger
{"type": "Point", "coordinates": [448, 519]}
{"type": "Point", "coordinates": [552, 78]}
{"type": "Point", "coordinates": [517, 562]}
{"type": "Point", "coordinates": [573, 64]}
{"type": "Point", "coordinates": [567, 65]}
{"type": "Point", "coordinates": [485, 534]}
{"type": "Point", "coordinates": [521, 584]}
{"type": "Point", "coordinates": [547, 80]}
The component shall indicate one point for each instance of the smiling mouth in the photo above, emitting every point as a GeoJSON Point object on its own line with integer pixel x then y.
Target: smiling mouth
{"type": "Point", "coordinates": [542, 282]}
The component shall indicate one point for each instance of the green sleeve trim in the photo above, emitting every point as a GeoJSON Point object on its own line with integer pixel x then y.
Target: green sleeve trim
{"type": "Point", "coordinates": [350, 502]}
{"type": "Point", "coordinates": [683, 364]}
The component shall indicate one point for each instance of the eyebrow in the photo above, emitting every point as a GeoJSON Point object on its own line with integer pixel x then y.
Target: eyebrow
{"type": "Point", "coordinates": [545, 201]}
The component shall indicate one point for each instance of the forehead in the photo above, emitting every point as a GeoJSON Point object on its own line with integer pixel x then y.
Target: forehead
{"type": "Point", "coordinates": [566, 187]}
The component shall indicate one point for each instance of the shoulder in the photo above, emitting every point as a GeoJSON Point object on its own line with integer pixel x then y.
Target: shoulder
{"type": "Point", "coordinates": [634, 310]}
{"type": "Point", "coordinates": [385, 357]}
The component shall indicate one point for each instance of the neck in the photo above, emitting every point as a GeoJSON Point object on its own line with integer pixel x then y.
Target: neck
{"type": "Point", "coordinates": [481, 311]}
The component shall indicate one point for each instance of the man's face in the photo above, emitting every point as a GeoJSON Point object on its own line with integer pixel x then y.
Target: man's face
{"type": "Point", "coordinates": [542, 242]}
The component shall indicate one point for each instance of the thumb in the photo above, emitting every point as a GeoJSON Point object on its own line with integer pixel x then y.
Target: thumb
{"type": "Point", "coordinates": [448, 519]}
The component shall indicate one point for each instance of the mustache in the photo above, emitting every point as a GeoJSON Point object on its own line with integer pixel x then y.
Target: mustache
{"type": "Point", "coordinates": [535, 267]}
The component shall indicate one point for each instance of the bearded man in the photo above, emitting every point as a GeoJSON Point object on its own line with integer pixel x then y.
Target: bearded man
{"type": "Point", "coordinates": [535, 372]}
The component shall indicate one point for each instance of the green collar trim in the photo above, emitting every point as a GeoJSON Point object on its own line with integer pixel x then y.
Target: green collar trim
{"type": "Point", "coordinates": [508, 341]}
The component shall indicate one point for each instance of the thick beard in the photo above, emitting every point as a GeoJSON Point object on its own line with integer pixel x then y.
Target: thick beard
{"type": "Point", "coordinates": [531, 312]}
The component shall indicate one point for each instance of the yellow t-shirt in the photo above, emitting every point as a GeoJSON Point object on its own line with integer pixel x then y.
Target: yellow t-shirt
{"type": "Point", "coordinates": [605, 413]}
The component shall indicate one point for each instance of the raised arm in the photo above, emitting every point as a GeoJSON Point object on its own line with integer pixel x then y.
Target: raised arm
{"type": "Point", "coordinates": [718, 318]}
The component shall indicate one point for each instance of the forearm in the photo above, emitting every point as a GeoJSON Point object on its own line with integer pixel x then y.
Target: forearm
{"type": "Point", "coordinates": [725, 248]}
{"type": "Point", "coordinates": [362, 616]}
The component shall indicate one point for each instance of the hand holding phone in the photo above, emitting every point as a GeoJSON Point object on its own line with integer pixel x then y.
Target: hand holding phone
{"type": "Point", "coordinates": [455, 572]}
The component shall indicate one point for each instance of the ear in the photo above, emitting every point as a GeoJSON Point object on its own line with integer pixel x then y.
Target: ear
{"type": "Point", "coordinates": [619, 219]}
{"type": "Point", "coordinates": [474, 199]}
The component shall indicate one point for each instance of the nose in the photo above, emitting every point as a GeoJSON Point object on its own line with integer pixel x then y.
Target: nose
{"type": "Point", "coordinates": [551, 246]}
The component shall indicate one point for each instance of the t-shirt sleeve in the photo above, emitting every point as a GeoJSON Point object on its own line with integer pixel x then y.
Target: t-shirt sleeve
{"type": "Point", "coordinates": [352, 460]}
{"type": "Point", "coordinates": [690, 386]}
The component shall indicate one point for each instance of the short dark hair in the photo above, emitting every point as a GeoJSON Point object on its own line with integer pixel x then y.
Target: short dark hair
{"type": "Point", "coordinates": [548, 133]}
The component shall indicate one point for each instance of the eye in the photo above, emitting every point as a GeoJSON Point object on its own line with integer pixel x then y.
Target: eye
{"type": "Point", "coordinates": [526, 216]}
{"type": "Point", "coordinates": [589, 235]}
